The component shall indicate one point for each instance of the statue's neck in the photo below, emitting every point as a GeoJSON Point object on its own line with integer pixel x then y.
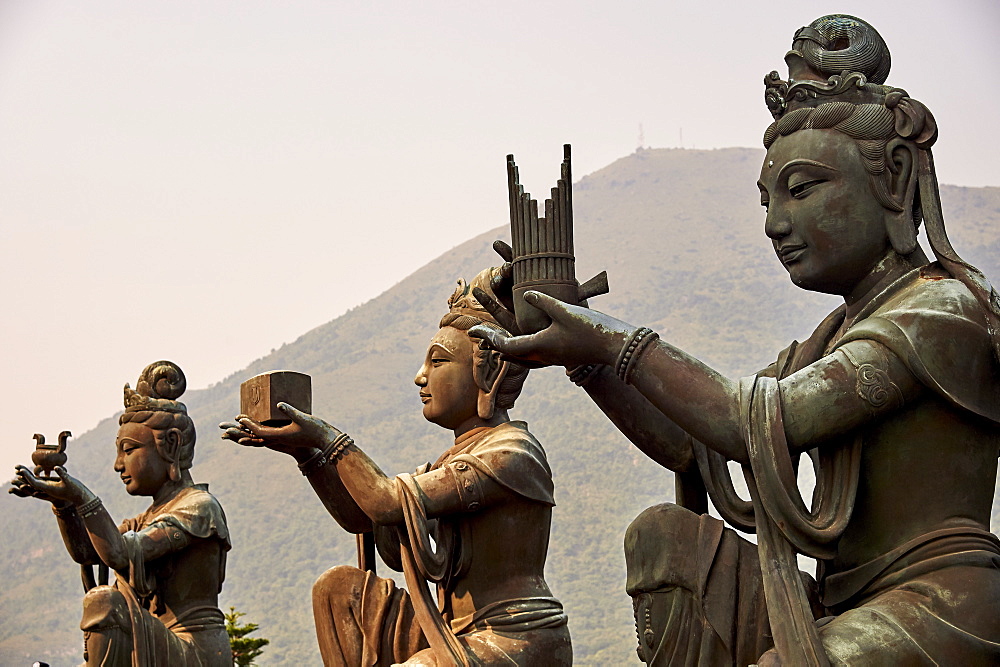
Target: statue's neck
{"type": "Point", "coordinates": [889, 270]}
{"type": "Point", "coordinates": [499, 417]}
{"type": "Point", "coordinates": [172, 488]}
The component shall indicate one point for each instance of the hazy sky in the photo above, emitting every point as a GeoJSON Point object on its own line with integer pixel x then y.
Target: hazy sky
{"type": "Point", "coordinates": [202, 181]}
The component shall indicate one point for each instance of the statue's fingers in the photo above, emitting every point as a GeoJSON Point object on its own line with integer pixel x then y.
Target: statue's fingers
{"type": "Point", "coordinates": [518, 347]}
{"type": "Point", "coordinates": [551, 306]}
{"type": "Point", "coordinates": [22, 491]}
{"type": "Point", "coordinates": [251, 427]}
{"type": "Point", "coordinates": [293, 412]}
{"type": "Point", "coordinates": [505, 251]}
{"type": "Point", "coordinates": [225, 426]}
{"type": "Point", "coordinates": [234, 433]}
{"type": "Point", "coordinates": [250, 442]}
{"type": "Point", "coordinates": [26, 474]}
{"type": "Point", "coordinates": [504, 317]}
{"type": "Point", "coordinates": [493, 338]}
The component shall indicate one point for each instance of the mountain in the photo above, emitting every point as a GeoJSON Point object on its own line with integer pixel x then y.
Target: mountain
{"type": "Point", "coordinates": [680, 233]}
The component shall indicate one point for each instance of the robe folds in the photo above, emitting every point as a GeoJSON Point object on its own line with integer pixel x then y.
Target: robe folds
{"type": "Point", "coordinates": [363, 619]}
{"type": "Point", "coordinates": [919, 601]}
{"type": "Point", "coordinates": [165, 612]}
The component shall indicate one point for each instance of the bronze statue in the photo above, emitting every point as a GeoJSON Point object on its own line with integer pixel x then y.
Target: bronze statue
{"type": "Point", "coordinates": [475, 523]}
{"type": "Point", "coordinates": [169, 561]}
{"type": "Point", "coordinates": [895, 399]}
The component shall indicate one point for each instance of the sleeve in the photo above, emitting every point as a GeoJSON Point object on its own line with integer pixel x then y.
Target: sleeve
{"type": "Point", "coordinates": [858, 382]}
{"type": "Point", "coordinates": [454, 488]}
{"type": "Point", "coordinates": [198, 515]}
{"type": "Point", "coordinates": [515, 460]}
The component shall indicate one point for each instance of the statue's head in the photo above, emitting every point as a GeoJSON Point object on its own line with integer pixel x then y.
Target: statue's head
{"type": "Point", "coordinates": [461, 379]}
{"type": "Point", "coordinates": [155, 436]}
{"type": "Point", "coordinates": [841, 175]}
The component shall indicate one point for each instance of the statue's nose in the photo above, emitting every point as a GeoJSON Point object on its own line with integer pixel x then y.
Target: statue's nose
{"type": "Point", "coordinates": [778, 224]}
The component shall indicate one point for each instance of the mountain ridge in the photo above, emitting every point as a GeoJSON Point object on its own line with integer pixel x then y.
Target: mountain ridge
{"type": "Point", "coordinates": [680, 233]}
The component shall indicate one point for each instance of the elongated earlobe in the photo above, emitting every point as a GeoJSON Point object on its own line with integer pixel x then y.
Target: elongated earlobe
{"type": "Point", "coordinates": [171, 451]}
{"type": "Point", "coordinates": [902, 180]}
{"type": "Point", "coordinates": [489, 373]}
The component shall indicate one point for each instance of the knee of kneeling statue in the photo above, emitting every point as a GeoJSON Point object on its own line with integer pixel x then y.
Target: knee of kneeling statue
{"type": "Point", "coordinates": [104, 608]}
{"type": "Point", "coordinates": [661, 548]}
{"type": "Point", "coordinates": [341, 584]}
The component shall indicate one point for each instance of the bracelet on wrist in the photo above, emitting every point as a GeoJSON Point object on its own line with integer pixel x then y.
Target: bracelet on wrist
{"type": "Point", "coordinates": [64, 512]}
{"type": "Point", "coordinates": [633, 348]}
{"type": "Point", "coordinates": [326, 455]}
{"type": "Point", "coordinates": [580, 375]}
{"type": "Point", "coordinates": [89, 508]}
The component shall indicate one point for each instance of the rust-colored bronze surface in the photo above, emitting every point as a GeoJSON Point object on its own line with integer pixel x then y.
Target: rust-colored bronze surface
{"type": "Point", "coordinates": [260, 395]}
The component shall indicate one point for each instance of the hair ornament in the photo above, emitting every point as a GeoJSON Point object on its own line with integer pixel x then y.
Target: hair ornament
{"type": "Point", "coordinates": [158, 387]}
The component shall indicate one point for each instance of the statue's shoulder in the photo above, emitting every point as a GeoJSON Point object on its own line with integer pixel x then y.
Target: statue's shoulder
{"type": "Point", "coordinates": [937, 328]}
{"type": "Point", "coordinates": [196, 497]}
{"type": "Point", "coordinates": [510, 455]}
{"type": "Point", "coordinates": [932, 291]}
{"type": "Point", "coordinates": [196, 511]}
{"type": "Point", "coordinates": [515, 433]}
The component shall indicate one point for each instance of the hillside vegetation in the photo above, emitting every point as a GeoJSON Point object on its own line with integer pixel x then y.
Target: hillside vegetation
{"type": "Point", "coordinates": [680, 233]}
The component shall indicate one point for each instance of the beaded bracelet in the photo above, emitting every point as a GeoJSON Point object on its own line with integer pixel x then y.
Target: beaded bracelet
{"type": "Point", "coordinates": [340, 443]}
{"type": "Point", "coordinates": [580, 375]}
{"type": "Point", "coordinates": [326, 455]}
{"type": "Point", "coordinates": [89, 508]}
{"type": "Point", "coordinates": [633, 348]}
{"type": "Point", "coordinates": [64, 512]}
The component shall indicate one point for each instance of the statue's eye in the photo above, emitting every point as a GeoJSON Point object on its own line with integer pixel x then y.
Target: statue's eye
{"type": "Point", "coordinates": [437, 361]}
{"type": "Point", "coordinates": [800, 190]}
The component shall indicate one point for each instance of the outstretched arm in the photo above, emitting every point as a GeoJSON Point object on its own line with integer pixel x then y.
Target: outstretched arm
{"type": "Point", "coordinates": [306, 440]}
{"type": "Point", "coordinates": [651, 431]}
{"type": "Point", "coordinates": [88, 529]}
{"type": "Point", "coordinates": [694, 397]}
{"type": "Point", "coordinates": [823, 400]}
{"type": "Point", "coordinates": [345, 477]}
{"type": "Point", "coordinates": [74, 533]}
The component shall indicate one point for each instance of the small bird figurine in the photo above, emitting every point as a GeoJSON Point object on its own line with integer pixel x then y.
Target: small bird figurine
{"type": "Point", "coordinates": [47, 457]}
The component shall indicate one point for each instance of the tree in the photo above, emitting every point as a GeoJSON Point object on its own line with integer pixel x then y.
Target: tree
{"type": "Point", "coordinates": [245, 649]}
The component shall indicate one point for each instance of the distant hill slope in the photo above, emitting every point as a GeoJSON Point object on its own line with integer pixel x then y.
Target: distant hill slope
{"type": "Point", "coordinates": [681, 235]}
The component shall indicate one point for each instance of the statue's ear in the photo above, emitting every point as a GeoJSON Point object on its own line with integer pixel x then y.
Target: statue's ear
{"type": "Point", "coordinates": [901, 158]}
{"type": "Point", "coordinates": [489, 372]}
{"type": "Point", "coordinates": [170, 450]}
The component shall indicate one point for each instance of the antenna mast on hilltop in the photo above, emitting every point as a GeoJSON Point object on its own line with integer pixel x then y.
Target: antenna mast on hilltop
{"type": "Point", "coordinates": [642, 139]}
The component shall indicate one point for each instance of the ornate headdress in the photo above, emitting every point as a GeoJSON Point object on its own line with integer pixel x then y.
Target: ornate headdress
{"type": "Point", "coordinates": [842, 59]}
{"type": "Point", "coordinates": [464, 310]}
{"type": "Point", "coordinates": [159, 386]}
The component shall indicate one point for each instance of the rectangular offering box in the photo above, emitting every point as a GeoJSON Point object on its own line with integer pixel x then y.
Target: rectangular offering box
{"type": "Point", "coordinates": [260, 395]}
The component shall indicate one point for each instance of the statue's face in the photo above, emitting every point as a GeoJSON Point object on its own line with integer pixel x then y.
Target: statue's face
{"type": "Point", "coordinates": [138, 462]}
{"type": "Point", "coordinates": [447, 386]}
{"type": "Point", "coordinates": [827, 228]}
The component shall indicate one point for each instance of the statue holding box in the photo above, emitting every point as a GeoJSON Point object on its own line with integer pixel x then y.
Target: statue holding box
{"type": "Point", "coordinates": [475, 524]}
{"type": "Point", "coordinates": [169, 561]}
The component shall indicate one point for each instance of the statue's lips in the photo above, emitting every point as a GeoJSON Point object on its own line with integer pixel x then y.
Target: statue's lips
{"type": "Point", "coordinates": [424, 397]}
{"type": "Point", "coordinates": [790, 253]}
{"type": "Point", "coordinates": [126, 479]}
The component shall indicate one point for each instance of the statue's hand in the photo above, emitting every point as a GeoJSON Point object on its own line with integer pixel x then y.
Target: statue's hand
{"type": "Point", "coordinates": [501, 303]}
{"type": "Point", "coordinates": [63, 491]}
{"type": "Point", "coordinates": [576, 335]}
{"type": "Point", "coordinates": [305, 432]}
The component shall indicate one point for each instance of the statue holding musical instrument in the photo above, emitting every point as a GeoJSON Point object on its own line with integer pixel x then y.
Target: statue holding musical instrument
{"type": "Point", "coordinates": [894, 399]}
